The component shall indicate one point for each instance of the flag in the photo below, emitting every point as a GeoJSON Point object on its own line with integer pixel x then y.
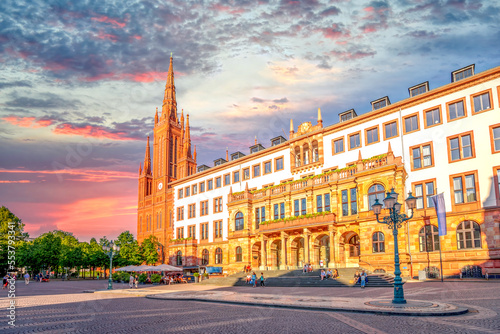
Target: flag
{"type": "Point", "coordinates": [438, 201]}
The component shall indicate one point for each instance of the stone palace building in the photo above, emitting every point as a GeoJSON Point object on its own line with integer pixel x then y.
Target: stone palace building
{"type": "Point", "coordinates": [307, 199]}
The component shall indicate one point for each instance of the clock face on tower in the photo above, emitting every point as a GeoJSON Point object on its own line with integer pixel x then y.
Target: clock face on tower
{"type": "Point", "coordinates": [160, 185]}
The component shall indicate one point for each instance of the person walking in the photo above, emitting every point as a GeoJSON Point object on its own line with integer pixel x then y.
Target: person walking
{"type": "Point", "coordinates": [363, 279]}
{"type": "Point", "coordinates": [26, 279]}
{"type": "Point", "coordinates": [5, 281]}
{"type": "Point", "coordinates": [254, 279]}
{"type": "Point", "coordinates": [131, 281]}
{"type": "Point", "coordinates": [136, 281]}
{"type": "Point", "coordinates": [262, 280]}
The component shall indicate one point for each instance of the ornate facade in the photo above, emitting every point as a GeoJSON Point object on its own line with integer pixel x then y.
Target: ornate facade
{"type": "Point", "coordinates": [308, 199]}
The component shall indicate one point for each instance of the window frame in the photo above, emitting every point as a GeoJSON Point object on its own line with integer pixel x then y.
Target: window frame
{"type": "Point", "coordinates": [205, 257]}
{"type": "Point", "coordinates": [423, 183]}
{"type": "Point", "coordinates": [202, 185]}
{"type": "Point", "coordinates": [210, 184]}
{"type": "Point", "coordinates": [204, 231]}
{"type": "Point", "coordinates": [218, 208]}
{"type": "Point", "coordinates": [253, 170]}
{"type": "Point", "coordinates": [187, 191]}
{"type": "Point", "coordinates": [462, 99]}
{"type": "Point", "coordinates": [192, 231]}
{"type": "Point", "coordinates": [421, 148]}
{"type": "Point", "coordinates": [180, 193]}
{"type": "Point", "coordinates": [246, 170]}
{"type": "Point", "coordinates": [417, 114]}
{"type": "Point", "coordinates": [276, 163]}
{"type": "Point", "coordinates": [218, 229]}
{"type": "Point", "coordinates": [397, 128]}
{"type": "Point", "coordinates": [492, 139]}
{"type": "Point", "coordinates": [376, 244]}
{"type": "Point", "coordinates": [237, 219]}
{"type": "Point", "coordinates": [459, 136]}
{"type": "Point", "coordinates": [424, 113]}
{"type": "Point", "coordinates": [191, 210]}
{"type": "Point", "coordinates": [473, 109]}
{"type": "Point", "coordinates": [270, 162]}
{"type": "Point", "coordinates": [180, 213]}
{"type": "Point", "coordinates": [434, 236]}
{"type": "Point", "coordinates": [465, 206]}
{"type": "Point", "coordinates": [233, 177]}
{"type": "Point", "coordinates": [194, 189]}
{"type": "Point", "coordinates": [383, 192]}
{"type": "Point", "coordinates": [218, 182]}
{"type": "Point", "coordinates": [204, 208]}
{"type": "Point", "coordinates": [349, 138]}
{"type": "Point", "coordinates": [366, 135]}
{"type": "Point", "coordinates": [219, 256]}
{"type": "Point", "coordinates": [238, 254]}
{"type": "Point", "coordinates": [333, 145]}
{"type": "Point", "coordinates": [471, 229]}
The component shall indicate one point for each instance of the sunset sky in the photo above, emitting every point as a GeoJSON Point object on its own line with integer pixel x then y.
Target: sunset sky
{"type": "Point", "coordinates": [80, 81]}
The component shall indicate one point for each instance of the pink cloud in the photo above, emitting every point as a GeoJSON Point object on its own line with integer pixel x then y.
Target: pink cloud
{"type": "Point", "coordinates": [18, 181]}
{"type": "Point", "coordinates": [106, 19]}
{"type": "Point", "coordinates": [347, 55]}
{"type": "Point", "coordinates": [137, 77]}
{"type": "Point", "coordinates": [227, 9]}
{"type": "Point", "coordinates": [72, 174]}
{"type": "Point", "coordinates": [103, 35]}
{"type": "Point", "coordinates": [335, 32]}
{"type": "Point", "coordinates": [90, 131]}
{"type": "Point", "coordinates": [27, 122]}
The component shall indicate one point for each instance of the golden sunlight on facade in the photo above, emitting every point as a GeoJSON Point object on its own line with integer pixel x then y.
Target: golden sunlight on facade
{"type": "Point", "coordinates": [307, 199]}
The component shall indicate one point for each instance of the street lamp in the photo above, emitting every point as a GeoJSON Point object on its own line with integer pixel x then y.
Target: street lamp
{"type": "Point", "coordinates": [111, 249]}
{"type": "Point", "coordinates": [394, 221]}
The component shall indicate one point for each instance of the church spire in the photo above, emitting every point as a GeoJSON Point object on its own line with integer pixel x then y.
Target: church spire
{"type": "Point", "coordinates": [169, 108]}
{"type": "Point", "coordinates": [147, 160]}
{"type": "Point", "coordinates": [187, 137]}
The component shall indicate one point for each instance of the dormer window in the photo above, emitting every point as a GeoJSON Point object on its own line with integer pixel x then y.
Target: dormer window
{"type": "Point", "coordinates": [419, 89]}
{"type": "Point", "coordinates": [236, 155]}
{"type": "Point", "coordinates": [380, 103]}
{"type": "Point", "coordinates": [256, 148]}
{"type": "Point", "coordinates": [462, 73]}
{"type": "Point", "coordinates": [277, 140]}
{"type": "Point", "coordinates": [219, 162]}
{"type": "Point", "coordinates": [347, 115]}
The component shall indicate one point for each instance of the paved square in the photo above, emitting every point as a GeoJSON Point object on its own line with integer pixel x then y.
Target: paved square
{"type": "Point", "coordinates": [63, 307]}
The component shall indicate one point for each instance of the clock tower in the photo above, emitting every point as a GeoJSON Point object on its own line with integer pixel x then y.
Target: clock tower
{"type": "Point", "coordinates": [172, 160]}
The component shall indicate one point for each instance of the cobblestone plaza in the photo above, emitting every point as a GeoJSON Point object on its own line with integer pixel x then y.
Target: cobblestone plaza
{"type": "Point", "coordinates": [63, 307]}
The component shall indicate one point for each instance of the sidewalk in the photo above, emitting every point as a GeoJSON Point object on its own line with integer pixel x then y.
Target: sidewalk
{"type": "Point", "coordinates": [361, 305]}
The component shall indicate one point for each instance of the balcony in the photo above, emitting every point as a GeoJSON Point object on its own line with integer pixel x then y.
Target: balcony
{"type": "Point", "coordinates": [298, 222]}
{"type": "Point", "coordinates": [183, 242]}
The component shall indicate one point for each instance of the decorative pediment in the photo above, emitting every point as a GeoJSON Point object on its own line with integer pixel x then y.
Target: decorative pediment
{"type": "Point", "coordinates": [304, 128]}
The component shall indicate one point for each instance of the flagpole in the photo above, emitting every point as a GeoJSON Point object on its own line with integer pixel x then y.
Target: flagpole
{"type": "Point", "coordinates": [441, 259]}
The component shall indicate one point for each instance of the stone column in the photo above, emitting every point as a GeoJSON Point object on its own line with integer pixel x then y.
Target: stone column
{"type": "Point", "coordinates": [284, 263]}
{"type": "Point", "coordinates": [263, 253]}
{"type": "Point", "coordinates": [307, 250]}
{"type": "Point", "coordinates": [332, 262]}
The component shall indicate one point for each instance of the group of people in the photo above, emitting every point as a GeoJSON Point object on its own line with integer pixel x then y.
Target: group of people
{"type": "Point", "coordinates": [362, 278]}
{"type": "Point", "coordinates": [133, 281]}
{"type": "Point", "coordinates": [247, 269]}
{"type": "Point", "coordinates": [307, 268]}
{"type": "Point", "coordinates": [252, 279]}
{"type": "Point", "coordinates": [329, 274]}
{"type": "Point", "coordinates": [167, 280]}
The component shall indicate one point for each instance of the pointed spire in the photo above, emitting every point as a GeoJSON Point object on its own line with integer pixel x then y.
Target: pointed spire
{"type": "Point", "coordinates": [359, 156]}
{"type": "Point", "coordinates": [187, 137]}
{"type": "Point", "coordinates": [194, 154]}
{"type": "Point", "coordinates": [320, 120]}
{"type": "Point", "coordinates": [227, 154]}
{"type": "Point", "coordinates": [230, 190]}
{"type": "Point", "coordinates": [389, 149]}
{"type": "Point", "coordinates": [147, 159]}
{"type": "Point", "coordinates": [140, 168]}
{"type": "Point", "coordinates": [246, 186]}
{"type": "Point", "coordinates": [255, 140]}
{"type": "Point", "coordinates": [291, 126]}
{"type": "Point", "coordinates": [156, 116]}
{"type": "Point", "coordinates": [169, 108]}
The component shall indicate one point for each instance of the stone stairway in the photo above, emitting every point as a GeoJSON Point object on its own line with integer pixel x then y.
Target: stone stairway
{"type": "Point", "coordinates": [296, 278]}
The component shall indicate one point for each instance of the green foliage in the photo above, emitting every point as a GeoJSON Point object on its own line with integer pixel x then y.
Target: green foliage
{"type": "Point", "coordinates": [292, 218]}
{"type": "Point", "coordinates": [129, 250]}
{"type": "Point", "coordinates": [149, 249]}
{"type": "Point", "coordinates": [155, 278]}
{"type": "Point", "coordinates": [116, 276]}
{"type": "Point", "coordinates": [142, 278]}
{"type": "Point", "coordinates": [180, 239]}
{"type": "Point", "coordinates": [16, 229]}
{"type": "Point", "coordinates": [196, 274]}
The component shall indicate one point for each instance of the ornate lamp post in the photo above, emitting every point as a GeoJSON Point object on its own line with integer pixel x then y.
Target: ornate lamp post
{"type": "Point", "coordinates": [394, 221]}
{"type": "Point", "coordinates": [111, 249]}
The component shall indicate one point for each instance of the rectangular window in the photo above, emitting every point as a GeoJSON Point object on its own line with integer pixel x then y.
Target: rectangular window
{"type": "Point", "coordinates": [263, 214]}
{"type": "Point", "coordinates": [180, 213]}
{"type": "Point", "coordinates": [461, 147]}
{"type": "Point", "coordinates": [218, 229]}
{"type": "Point", "coordinates": [192, 210]}
{"type": "Point", "coordinates": [345, 203]}
{"type": "Point", "coordinates": [188, 191]}
{"type": "Point", "coordinates": [481, 101]}
{"type": "Point", "coordinates": [421, 156]}
{"type": "Point", "coordinates": [202, 187]}
{"type": "Point", "coordinates": [227, 179]}
{"type": "Point", "coordinates": [354, 202]}
{"type": "Point", "coordinates": [303, 206]}
{"type": "Point", "coordinates": [246, 173]}
{"type": "Point", "coordinates": [354, 141]}
{"type": "Point", "coordinates": [218, 182]}
{"type": "Point", "coordinates": [390, 129]}
{"type": "Point", "coordinates": [210, 184]}
{"type": "Point", "coordinates": [256, 170]}
{"type": "Point", "coordinates": [204, 208]}
{"type": "Point", "coordinates": [327, 202]}
{"type": "Point", "coordinates": [192, 231]}
{"type": "Point", "coordinates": [180, 193]}
{"type": "Point", "coordinates": [456, 109]}
{"type": "Point", "coordinates": [276, 211]}
{"type": "Point", "coordinates": [296, 208]}
{"type": "Point", "coordinates": [419, 89]}
{"type": "Point", "coordinates": [411, 123]}
{"type": "Point", "coordinates": [338, 145]}
{"type": "Point", "coordinates": [268, 167]}
{"type": "Point", "coordinates": [195, 189]}
{"type": "Point", "coordinates": [495, 138]}
{"type": "Point", "coordinates": [464, 188]}
{"type": "Point", "coordinates": [217, 204]}
{"type": "Point", "coordinates": [257, 217]}
{"type": "Point", "coordinates": [236, 177]}
{"type": "Point", "coordinates": [432, 116]}
{"type": "Point", "coordinates": [204, 231]}
{"type": "Point", "coordinates": [180, 233]}
{"type": "Point", "coordinates": [462, 73]}
{"type": "Point", "coordinates": [319, 203]}
{"type": "Point", "coordinates": [423, 192]}
{"type": "Point", "coordinates": [278, 164]}
{"type": "Point", "coordinates": [371, 136]}
{"type": "Point", "coordinates": [282, 210]}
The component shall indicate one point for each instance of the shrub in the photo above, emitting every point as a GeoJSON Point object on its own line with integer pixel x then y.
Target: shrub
{"type": "Point", "coordinates": [142, 278]}
{"type": "Point", "coordinates": [155, 278]}
{"type": "Point", "coordinates": [196, 274]}
{"type": "Point", "coordinates": [116, 276]}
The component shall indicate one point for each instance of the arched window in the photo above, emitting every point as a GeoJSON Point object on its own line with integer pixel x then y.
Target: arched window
{"type": "Point", "coordinates": [378, 242]}
{"type": "Point", "coordinates": [239, 254]}
{"type": "Point", "coordinates": [205, 256]}
{"type": "Point", "coordinates": [218, 255]}
{"type": "Point", "coordinates": [376, 191]}
{"type": "Point", "coordinates": [297, 156]}
{"type": "Point", "coordinates": [305, 152]}
{"type": "Point", "coordinates": [238, 221]}
{"type": "Point", "coordinates": [354, 246]}
{"type": "Point", "coordinates": [315, 151]}
{"type": "Point", "coordinates": [179, 258]}
{"type": "Point", "coordinates": [468, 235]}
{"type": "Point", "coordinates": [428, 238]}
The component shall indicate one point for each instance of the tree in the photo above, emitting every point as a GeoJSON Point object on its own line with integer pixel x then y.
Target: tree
{"type": "Point", "coordinates": [71, 254]}
{"type": "Point", "coordinates": [149, 249]}
{"type": "Point", "coordinates": [10, 226]}
{"type": "Point", "coordinates": [97, 257]}
{"type": "Point", "coordinates": [130, 253]}
{"type": "Point", "coordinates": [47, 251]}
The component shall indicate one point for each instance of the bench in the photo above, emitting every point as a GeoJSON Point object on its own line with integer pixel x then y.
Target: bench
{"type": "Point", "coordinates": [491, 271]}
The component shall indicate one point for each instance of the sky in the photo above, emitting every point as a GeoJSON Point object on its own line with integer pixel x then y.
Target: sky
{"type": "Point", "coordinates": [80, 82]}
